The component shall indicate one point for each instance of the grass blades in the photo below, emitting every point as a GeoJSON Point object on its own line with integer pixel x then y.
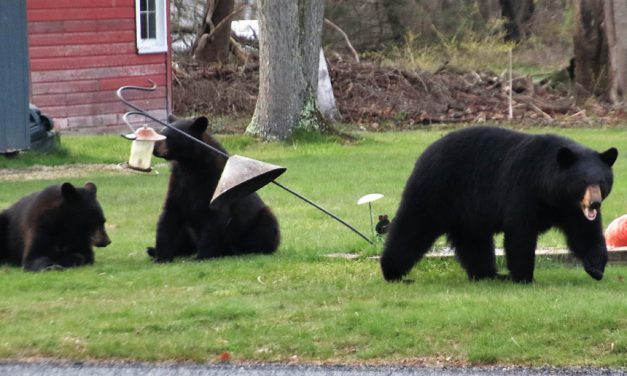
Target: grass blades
{"type": "Point", "coordinates": [300, 305]}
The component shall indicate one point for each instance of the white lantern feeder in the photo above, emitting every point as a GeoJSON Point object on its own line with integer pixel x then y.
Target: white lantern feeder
{"type": "Point", "coordinates": [143, 144]}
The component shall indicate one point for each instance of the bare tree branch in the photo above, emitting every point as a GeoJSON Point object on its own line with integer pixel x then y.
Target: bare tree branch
{"type": "Point", "coordinates": [224, 21]}
{"type": "Point", "coordinates": [348, 42]}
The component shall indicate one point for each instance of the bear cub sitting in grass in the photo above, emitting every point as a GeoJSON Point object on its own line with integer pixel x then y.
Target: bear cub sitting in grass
{"type": "Point", "coordinates": [53, 229]}
{"type": "Point", "coordinates": [479, 181]}
{"type": "Point", "coordinates": [188, 225]}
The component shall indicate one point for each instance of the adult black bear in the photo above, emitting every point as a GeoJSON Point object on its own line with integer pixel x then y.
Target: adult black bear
{"type": "Point", "coordinates": [479, 181]}
{"type": "Point", "coordinates": [188, 224]}
{"type": "Point", "coordinates": [54, 228]}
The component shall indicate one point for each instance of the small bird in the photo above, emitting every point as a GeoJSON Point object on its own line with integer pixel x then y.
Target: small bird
{"type": "Point", "coordinates": [383, 225]}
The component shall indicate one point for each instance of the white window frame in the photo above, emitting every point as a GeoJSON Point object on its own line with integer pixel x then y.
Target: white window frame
{"type": "Point", "coordinates": [152, 45]}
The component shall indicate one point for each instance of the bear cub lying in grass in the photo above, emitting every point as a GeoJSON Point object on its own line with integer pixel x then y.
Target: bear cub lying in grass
{"type": "Point", "coordinates": [53, 229]}
{"type": "Point", "coordinates": [479, 181]}
{"type": "Point", "coordinates": [188, 225]}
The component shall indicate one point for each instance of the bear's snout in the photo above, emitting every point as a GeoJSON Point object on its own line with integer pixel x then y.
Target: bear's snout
{"type": "Point", "coordinates": [595, 205]}
{"type": "Point", "coordinates": [594, 272]}
{"type": "Point", "coordinates": [160, 150]}
{"type": "Point", "coordinates": [591, 202]}
{"type": "Point", "coordinates": [595, 266]}
{"type": "Point", "coordinates": [101, 239]}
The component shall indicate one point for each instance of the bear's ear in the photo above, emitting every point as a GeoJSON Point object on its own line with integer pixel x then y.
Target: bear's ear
{"type": "Point", "coordinates": [68, 191]}
{"type": "Point", "coordinates": [91, 188]}
{"type": "Point", "coordinates": [566, 157]}
{"type": "Point", "coordinates": [172, 118]}
{"type": "Point", "coordinates": [200, 124]}
{"type": "Point", "coordinates": [609, 156]}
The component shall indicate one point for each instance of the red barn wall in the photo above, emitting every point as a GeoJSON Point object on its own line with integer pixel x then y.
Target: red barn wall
{"type": "Point", "coordinates": [81, 52]}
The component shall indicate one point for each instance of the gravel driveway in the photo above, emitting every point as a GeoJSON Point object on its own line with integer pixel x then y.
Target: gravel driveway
{"type": "Point", "coordinates": [131, 369]}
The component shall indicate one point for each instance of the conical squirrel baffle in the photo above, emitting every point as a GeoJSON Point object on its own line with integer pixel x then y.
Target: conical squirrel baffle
{"type": "Point", "coordinates": [242, 176]}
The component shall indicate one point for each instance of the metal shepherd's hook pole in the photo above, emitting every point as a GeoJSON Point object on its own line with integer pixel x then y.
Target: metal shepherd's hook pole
{"type": "Point", "coordinates": [141, 112]}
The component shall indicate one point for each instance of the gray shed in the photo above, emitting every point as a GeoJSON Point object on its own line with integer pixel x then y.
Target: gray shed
{"type": "Point", "coordinates": [14, 77]}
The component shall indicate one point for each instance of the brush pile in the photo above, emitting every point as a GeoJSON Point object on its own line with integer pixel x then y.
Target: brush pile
{"type": "Point", "coordinates": [380, 98]}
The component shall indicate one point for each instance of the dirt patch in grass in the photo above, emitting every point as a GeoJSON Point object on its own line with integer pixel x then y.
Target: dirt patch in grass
{"type": "Point", "coordinates": [66, 171]}
{"type": "Point", "coordinates": [380, 98]}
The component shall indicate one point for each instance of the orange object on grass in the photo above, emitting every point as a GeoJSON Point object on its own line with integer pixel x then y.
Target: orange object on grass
{"type": "Point", "coordinates": [225, 356]}
{"type": "Point", "coordinates": [616, 232]}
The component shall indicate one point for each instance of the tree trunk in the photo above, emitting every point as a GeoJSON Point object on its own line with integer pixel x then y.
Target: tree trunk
{"type": "Point", "coordinates": [616, 32]}
{"type": "Point", "coordinates": [518, 14]}
{"type": "Point", "coordinates": [212, 42]}
{"type": "Point", "coordinates": [289, 48]}
{"type": "Point", "coordinates": [590, 45]}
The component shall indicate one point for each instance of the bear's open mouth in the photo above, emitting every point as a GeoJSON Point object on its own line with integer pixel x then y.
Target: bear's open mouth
{"type": "Point", "coordinates": [591, 214]}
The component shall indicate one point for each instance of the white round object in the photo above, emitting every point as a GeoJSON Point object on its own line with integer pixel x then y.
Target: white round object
{"type": "Point", "coordinates": [369, 198]}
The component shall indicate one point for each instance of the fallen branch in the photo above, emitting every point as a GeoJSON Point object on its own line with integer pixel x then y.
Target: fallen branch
{"type": "Point", "coordinates": [538, 110]}
{"type": "Point", "coordinates": [238, 51]}
{"type": "Point", "coordinates": [576, 114]}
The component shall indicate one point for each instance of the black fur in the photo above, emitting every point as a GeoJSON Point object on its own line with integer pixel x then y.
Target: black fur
{"type": "Point", "coordinates": [54, 228]}
{"type": "Point", "coordinates": [187, 224]}
{"type": "Point", "coordinates": [476, 182]}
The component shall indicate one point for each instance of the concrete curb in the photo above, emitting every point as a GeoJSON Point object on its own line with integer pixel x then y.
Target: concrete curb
{"type": "Point", "coordinates": [615, 255]}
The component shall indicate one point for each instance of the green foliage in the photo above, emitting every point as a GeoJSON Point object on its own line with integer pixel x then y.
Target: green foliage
{"type": "Point", "coordinates": [466, 34]}
{"type": "Point", "coordinates": [300, 304]}
{"type": "Point", "coordinates": [465, 49]}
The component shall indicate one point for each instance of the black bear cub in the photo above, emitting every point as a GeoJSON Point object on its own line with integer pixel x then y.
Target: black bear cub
{"type": "Point", "coordinates": [188, 225]}
{"type": "Point", "coordinates": [479, 181]}
{"type": "Point", "coordinates": [53, 229]}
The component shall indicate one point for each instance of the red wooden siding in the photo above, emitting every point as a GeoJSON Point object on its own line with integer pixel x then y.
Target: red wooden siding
{"type": "Point", "coordinates": [81, 52]}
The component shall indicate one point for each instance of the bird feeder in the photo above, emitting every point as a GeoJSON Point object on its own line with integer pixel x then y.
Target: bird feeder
{"type": "Point", "coordinates": [368, 199]}
{"type": "Point", "coordinates": [241, 176]}
{"type": "Point", "coordinates": [144, 139]}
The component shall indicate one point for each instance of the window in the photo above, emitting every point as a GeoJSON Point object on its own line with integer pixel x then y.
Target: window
{"type": "Point", "coordinates": [151, 26]}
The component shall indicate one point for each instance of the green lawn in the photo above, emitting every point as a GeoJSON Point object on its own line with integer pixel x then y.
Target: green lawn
{"type": "Point", "coordinates": [300, 304]}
